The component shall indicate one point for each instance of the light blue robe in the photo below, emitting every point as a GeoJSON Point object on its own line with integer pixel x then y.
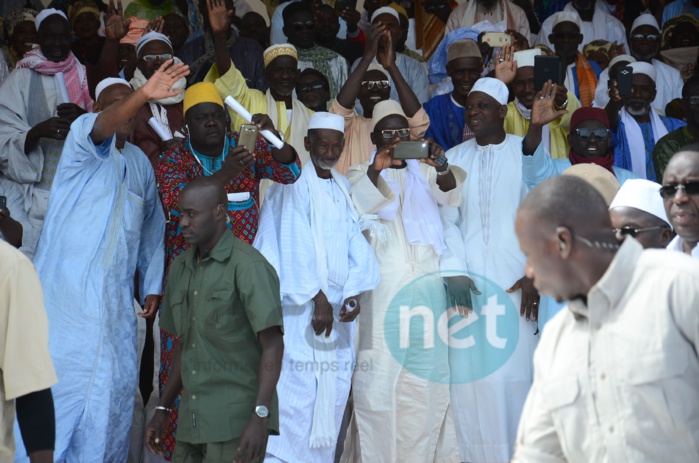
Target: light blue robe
{"type": "Point", "coordinates": [539, 167]}
{"type": "Point", "coordinates": [104, 222]}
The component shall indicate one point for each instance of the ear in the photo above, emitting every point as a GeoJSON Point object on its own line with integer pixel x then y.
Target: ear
{"type": "Point", "coordinates": [448, 68]}
{"type": "Point", "coordinates": [666, 236]}
{"type": "Point", "coordinates": [373, 138]}
{"type": "Point", "coordinates": [502, 111]}
{"type": "Point", "coordinates": [285, 30]}
{"type": "Point", "coordinates": [565, 242]}
{"type": "Point", "coordinates": [298, 74]}
{"type": "Point", "coordinates": [655, 93]}
{"type": "Point", "coordinates": [307, 144]}
{"type": "Point", "coordinates": [96, 107]}
{"type": "Point", "coordinates": [551, 37]}
{"type": "Point", "coordinates": [569, 138]}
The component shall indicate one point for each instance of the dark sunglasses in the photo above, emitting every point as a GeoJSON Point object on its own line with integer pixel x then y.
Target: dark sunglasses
{"type": "Point", "coordinates": [689, 188]}
{"type": "Point", "coordinates": [692, 100]}
{"type": "Point", "coordinates": [390, 133]}
{"type": "Point", "coordinates": [585, 134]}
{"type": "Point", "coordinates": [299, 26]}
{"type": "Point", "coordinates": [163, 57]}
{"type": "Point", "coordinates": [309, 87]}
{"type": "Point", "coordinates": [651, 37]}
{"type": "Point", "coordinates": [380, 84]}
{"type": "Point", "coordinates": [632, 232]}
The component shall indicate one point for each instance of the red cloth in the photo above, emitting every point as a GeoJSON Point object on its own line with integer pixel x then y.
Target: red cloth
{"type": "Point", "coordinates": [584, 114]}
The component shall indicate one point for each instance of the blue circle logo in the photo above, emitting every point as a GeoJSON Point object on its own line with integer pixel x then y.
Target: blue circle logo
{"type": "Point", "coordinates": [433, 341]}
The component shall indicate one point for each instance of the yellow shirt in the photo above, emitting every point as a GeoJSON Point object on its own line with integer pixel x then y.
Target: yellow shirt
{"type": "Point", "coordinates": [25, 362]}
{"type": "Point", "coordinates": [516, 124]}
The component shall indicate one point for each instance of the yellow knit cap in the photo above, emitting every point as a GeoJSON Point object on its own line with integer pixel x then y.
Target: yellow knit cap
{"type": "Point", "coordinates": [399, 9]}
{"type": "Point", "coordinates": [281, 49]}
{"type": "Point", "coordinates": [203, 92]}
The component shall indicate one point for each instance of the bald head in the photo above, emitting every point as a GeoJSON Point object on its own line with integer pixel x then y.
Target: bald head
{"type": "Point", "coordinates": [203, 206]}
{"type": "Point", "coordinates": [682, 208]}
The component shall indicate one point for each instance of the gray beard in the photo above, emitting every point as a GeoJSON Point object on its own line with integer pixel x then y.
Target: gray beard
{"type": "Point", "coordinates": [323, 165]}
{"type": "Point", "coordinates": [640, 112]}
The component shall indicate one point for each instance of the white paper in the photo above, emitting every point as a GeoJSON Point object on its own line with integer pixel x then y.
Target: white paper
{"type": "Point", "coordinates": [61, 81]}
{"type": "Point", "coordinates": [238, 197]}
{"type": "Point", "coordinates": [155, 125]}
{"type": "Point", "coordinates": [245, 114]}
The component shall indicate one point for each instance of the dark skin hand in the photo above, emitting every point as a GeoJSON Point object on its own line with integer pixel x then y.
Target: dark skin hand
{"type": "Point", "coordinates": [350, 315]}
{"type": "Point", "coordinates": [10, 228]}
{"type": "Point", "coordinates": [529, 308]}
{"type": "Point", "coordinates": [151, 307]}
{"type": "Point", "coordinates": [155, 431]}
{"type": "Point", "coordinates": [446, 182]}
{"type": "Point", "coordinates": [383, 160]}
{"type": "Point", "coordinates": [322, 315]}
{"type": "Point", "coordinates": [69, 111]}
{"type": "Point", "coordinates": [351, 17]}
{"type": "Point", "coordinates": [459, 289]}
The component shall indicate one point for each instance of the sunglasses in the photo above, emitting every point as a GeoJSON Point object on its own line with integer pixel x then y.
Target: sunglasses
{"type": "Point", "coordinates": [689, 188]}
{"type": "Point", "coordinates": [692, 100]}
{"type": "Point", "coordinates": [309, 87]}
{"type": "Point", "coordinates": [632, 232]}
{"type": "Point", "coordinates": [299, 26]}
{"type": "Point", "coordinates": [380, 84]}
{"type": "Point", "coordinates": [390, 133]}
{"type": "Point", "coordinates": [163, 57]}
{"type": "Point", "coordinates": [585, 134]}
{"type": "Point", "coordinates": [651, 37]}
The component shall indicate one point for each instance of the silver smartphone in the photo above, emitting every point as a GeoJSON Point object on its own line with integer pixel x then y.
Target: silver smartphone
{"type": "Point", "coordinates": [248, 136]}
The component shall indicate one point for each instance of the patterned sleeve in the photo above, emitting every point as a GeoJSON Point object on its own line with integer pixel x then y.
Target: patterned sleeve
{"type": "Point", "coordinates": [268, 167]}
{"type": "Point", "coordinates": [171, 175]}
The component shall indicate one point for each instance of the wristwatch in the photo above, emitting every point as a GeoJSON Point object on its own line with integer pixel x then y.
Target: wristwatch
{"type": "Point", "coordinates": [261, 411]}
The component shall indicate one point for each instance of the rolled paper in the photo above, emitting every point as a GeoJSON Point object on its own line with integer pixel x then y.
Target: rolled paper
{"type": "Point", "coordinates": [245, 114]}
{"type": "Point", "coordinates": [61, 81]}
{"type": "Point", "coordinates": [155, 125]}
{"type": "Point", "coordinates": [238, 197]}
{"type": "Point", "coordinates": [351, 305]}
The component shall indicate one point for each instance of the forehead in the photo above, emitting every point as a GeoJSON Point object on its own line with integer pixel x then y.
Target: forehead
{"type": "Point", "coordinates": [645, 29]}
{"type": "Point", "coordinates": [204, 108]}
{"type": "Point", "coordinates": [387, 19]}
{"type": "Point", "coordinates": [682, 166]}
{"type": "Point", "coordinates": [310, 77]}
{"type": "Point", "coordinates": [591, 124]}
{"type": "Point", "coordinates": [329, 135]}
{"type": "Point", "coordinates": [466, 63]}
{"type": "Point", "coordinates": [284, 61]}
{"type": "Point", "coordinates": [113, 93]}
{"type": "Point", "coordinates": [525, 73]}
{"type": "Point", "coordinates": [627, 215]}
{"type": "Point", "coordinates": [253, 18]}
{"type": "Point", "coordinates": [301, 15]}
{"type": "Point", "coordinates": [155, 47]}
{"type": "Point", "coordinates": [87, 15]}
{"type": "Point", "coordinates": [642, 79]}
{"type": "Point", "coordinates": [24, 26]}
{"type": "Point", "coordinates": [173, 20]}
{"type": "Point", "coordinates": [326, 12]}
{"type": "Point", "coordinates": [566, 27]}
{"type": "Point", "coordinates": [394, 121]}
{"type": "Point", "coordinates": [54, 24]}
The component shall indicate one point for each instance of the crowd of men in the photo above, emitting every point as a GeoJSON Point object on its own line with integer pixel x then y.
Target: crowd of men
{"type": "Point", "coordinates": [435, 232]}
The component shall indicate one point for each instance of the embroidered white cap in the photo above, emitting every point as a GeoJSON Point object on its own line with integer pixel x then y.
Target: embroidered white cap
{"type": "Point", "coordinates": [325, 120]}
{"type": "Point", "coordinates": [643, 195]}
{"type": "Point", "coordinates": [566, 16]}
{"type": "Point", "coordinates": [151, 37]}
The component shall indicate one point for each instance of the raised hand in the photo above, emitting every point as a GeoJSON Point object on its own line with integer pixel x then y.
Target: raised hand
{"type": "Point", "coordinates": [384, 156]}
{"type": "Point", "coordinates": [372, 42]}
{"type": "Point", "coordinates": [387, 56]}
{"type": "Point", "coordinates": [155, 25]}
{"type": "Point", "coordinates": [506, 67]}
{"type": "Point", "coordinates": [116, 27]}
{"type": "Point", "coordinates": [237, 160]}
{"type": "Point", "coordinates": [219, 17]}
{"type": "Point", "coordinates": [263, 122]}
{"type": "Point", "coordinates": [615, 50]}
{"type": "Point", "coordinates": [351, 17]}
{"type": "Point", "coordinates": [160, 84]}
{"type": "Point", "coordinates": [613, 91]}
{"type": "Point", "coordinates": [542, 109]}
{"type": "Point", "coordinates": [435, 150]}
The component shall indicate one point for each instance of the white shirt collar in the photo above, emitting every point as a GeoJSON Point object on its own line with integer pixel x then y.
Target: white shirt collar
{"type": "Point", "coordinates": [677, 245]}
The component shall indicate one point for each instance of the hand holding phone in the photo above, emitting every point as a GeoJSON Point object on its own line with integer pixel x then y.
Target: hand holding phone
{"type": "Point", "coordinates": [411, 150]}
{"type": "Point", "coordinates": [248, 136]}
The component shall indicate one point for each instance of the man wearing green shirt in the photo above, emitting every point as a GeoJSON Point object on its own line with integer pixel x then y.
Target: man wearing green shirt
{"type": "Point", "coordinates": [223, 302]}
{"type": "Point", "coordinates": [675, 140]}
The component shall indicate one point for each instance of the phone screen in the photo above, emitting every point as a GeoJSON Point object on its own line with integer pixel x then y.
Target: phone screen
{"type": "Point", "coordinates": [547, 68]}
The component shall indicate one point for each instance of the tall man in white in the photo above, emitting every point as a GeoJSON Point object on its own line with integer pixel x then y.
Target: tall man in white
{"type": "Point", "coordinates": [104, 223]}
{"type": "Point", "coordinates": [310, 233]}
{"type": "Point", "coordinates": [480, 238]}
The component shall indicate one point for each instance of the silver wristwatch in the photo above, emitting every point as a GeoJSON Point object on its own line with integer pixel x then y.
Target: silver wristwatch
{"type": "Point", "coordinates": [261, 411]}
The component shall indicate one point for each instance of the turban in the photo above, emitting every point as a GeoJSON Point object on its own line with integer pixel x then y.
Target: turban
{"type": "Point", "coordinates": [16, 17]}
{"type": "Point", "coordinates": [525, 58]}
{"type": "Point", "coordinates": [384, 109]}
{"type": "Point", "coordinates": [325, 120]}
{"type": "Point", "coordinates": [492, 87]}
{"type": "Point", "coordinates": [566, 16]}
{"type": "Point", "coordinates": [45, 14]}
{"type": "Point", "coordinates": [645, 20]}
{"type": "Point", "coordinates": [585, 114]}
{"type": "Point", "coordinates": [465, 48]}
{"type": "Point", "coordinates": [203, 92]}
{"type": "Point", "coordinates": [643, 195]}
{"type": "Point", "coordinates": [280, 49]}
{"type": "Point", "coordinates": [152, 36]}
{"type": "Point", "coordinates": [641, 67]}
{"type": "Point", "coordinates": [108, 82]}
{"type": "Point", "coordinates": [384, 10]}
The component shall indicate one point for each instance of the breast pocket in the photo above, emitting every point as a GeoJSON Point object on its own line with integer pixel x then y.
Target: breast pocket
{"type": "Point", "coordinates": [562, 397]}
{"type": "Point", "coordinates": [224, 318]}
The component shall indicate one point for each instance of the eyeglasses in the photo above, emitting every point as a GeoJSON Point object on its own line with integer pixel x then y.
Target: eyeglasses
{"type": "Point", "coordinates": [566, 36]}
{"type": "Point", "coordinates": [692, 100]}
{"type": "Point", "coordinates": [632, 232]}
{"type": "Point", "coordinates": [689, 188]}
{"type": "Point", "coordinates": [651, 37]}
{"type": "Point", "coordinates": [299, 26]}
{"type": "Point", "coordinates": [163, 57]}
{"type": "Point", "coordinates": [308, 87]}
{"type": "Point", "coordinates": [585, 134]}
{"type": "Point", "coordinates": [390, 133]}
{"type": "Point", "coordinates": [380, 84]}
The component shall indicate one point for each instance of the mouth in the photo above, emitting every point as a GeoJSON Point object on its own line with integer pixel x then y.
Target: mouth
{"type": "Point", "coordinates": [375, 98]}
{"type": "Point", "coordinates": [683, 218]}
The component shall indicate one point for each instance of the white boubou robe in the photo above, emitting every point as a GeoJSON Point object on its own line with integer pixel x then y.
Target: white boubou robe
{"type": "Point", "coordinates": [310, 233]}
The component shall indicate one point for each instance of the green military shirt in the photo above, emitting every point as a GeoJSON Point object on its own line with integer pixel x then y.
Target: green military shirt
{"type": "Point", "coordinates": [216, 306]}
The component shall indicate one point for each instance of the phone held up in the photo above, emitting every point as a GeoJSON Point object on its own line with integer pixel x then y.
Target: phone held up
{"type": "Point", "coordinates": [248, 136]}
{"type": "Point", "coordinates": [411, 150]}
{"type": "Point", "coordinates": [547, 68]}
{"type": "Point", "coordinates": [496, 39]}
{"type": "Point", "coordinates": [3, 203]}
{"type": "Point", "coordinates": [623, 80]}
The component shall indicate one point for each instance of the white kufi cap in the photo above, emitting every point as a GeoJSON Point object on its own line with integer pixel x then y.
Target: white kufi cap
{"type": "Point", "coordinates": [526, 57]}
{"type": "Point", "coordinates": [492, 87]}
{"type": "Point", "coordinates": [645, 20]}
{"type": "Point", "coordinates": [150, 37]}
{"type": "Point", "coordinates": [45, 14]}
{"type": "Point", "coordinates": [566, 16]}
{"type": "Point", "coordinates": [384, 10]}
{"type": "Point", "coordinates": [108, 82]}
{"type": "Point", "coordinates": [384, 109]}
{"type": "Point", "coordinates": [643, 195]}
{"type": "Point", "coordinates": [641, 67]}
{"type": "Point", "coordinates": [325, 120]}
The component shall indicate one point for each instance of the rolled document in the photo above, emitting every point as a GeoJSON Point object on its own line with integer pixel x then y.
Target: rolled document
{"type": "Point", "coordinates": [245, 114]}
{"type": "Point", "coordinates": [238, 197]}
{"type": "Point", "coordinates": [351, 305]}
{"type": "Point", "coordinates": [155, 125]}
{"type": "Point", "coordinates": [61, 81]}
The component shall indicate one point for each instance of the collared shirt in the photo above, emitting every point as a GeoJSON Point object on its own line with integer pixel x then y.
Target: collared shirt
{"type": "Point", "coordinates": [616, 380]}
{"type": "Point", "coordinates": [216, 306]}
{"type": "Point", "coordinates": [677, 244]}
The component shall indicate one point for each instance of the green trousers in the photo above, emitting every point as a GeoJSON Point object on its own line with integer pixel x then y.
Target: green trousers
{"type": "Point", "coordinates": [213, 452]}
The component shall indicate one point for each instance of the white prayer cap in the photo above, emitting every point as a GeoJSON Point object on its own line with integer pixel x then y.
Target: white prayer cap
{"type": "Point", "coordinates": [384, 109]}
{"type": "Point", "coordinates": [526, 57]}
{"type": "Point", "coordinates": [492, 87]}
{"type": "Point", "coordinates": [618, 58]}
{"type": "Point", "coordinates": [377, 67]}
{"type": "Point", "coordinates": [641, 67]}
{"type": "Point", "coordinates": [643, 195]}
{"type": "Point", "coordinates": [566, 16]}
{"type": "Point", "coordinates": [325, 120]}
{"type": "Point", "coordinates": [108, 82]}
{"type": "Point", "coordinates": [385, 10]}
{"type": "Point", "coordinates": [645, 20]}
{"type": "Point", "coordinates": [151, 37]}
{"type": "Point", "coordinates": [45, 14]}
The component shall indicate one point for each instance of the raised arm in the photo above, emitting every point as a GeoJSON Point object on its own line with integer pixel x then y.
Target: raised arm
{"type": "Point", "coordinates": [542, 113]}
{"type": "Point", "coordinates": [348, 93]}
{"type": "Point", "coordinates": [614, 106]}
{"type": "Point", "coordinates": [406, 95]}
{"type": "Point", "coordinates": [220, 22]}
{"type": "Point", "coordinates": [158, 86]}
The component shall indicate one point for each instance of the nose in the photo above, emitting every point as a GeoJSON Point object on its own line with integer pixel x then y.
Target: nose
{"type": "Point", "coordinates": [680, 195]}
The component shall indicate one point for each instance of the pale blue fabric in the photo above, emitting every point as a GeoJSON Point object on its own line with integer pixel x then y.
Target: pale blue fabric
{"type": "Point", "coordinates": [539, 167]}
{"type": "Point", "coordinates": [104, 223]}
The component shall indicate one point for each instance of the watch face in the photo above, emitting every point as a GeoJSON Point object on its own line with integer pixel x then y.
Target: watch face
{"type": "Point", "coordinates": [261, 411]}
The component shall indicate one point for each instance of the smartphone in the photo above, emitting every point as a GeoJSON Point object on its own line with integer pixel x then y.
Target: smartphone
{"type": "Point", "coordinates": [547, 68]}
{"type": "Point", "coordinates": [411, 150]}
{"type": "Point", "coordinates": [3, 203]}
{"type": "Point", "coordinates": [496, 39]}
{"type": "Point", "coordinates": [248, 136]}
{"type": "Point", "coordinates": [340, 6]}
{"type": "Point", "coordinates": [623, 80]}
